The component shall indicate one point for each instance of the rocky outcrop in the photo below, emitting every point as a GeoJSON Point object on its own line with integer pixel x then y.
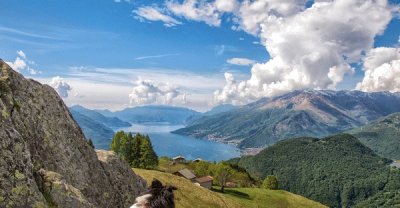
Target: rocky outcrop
{"type": "Point", "coordinates": [57, 191]}
{"type": "Point", "coordinates": [121, 177]}
{"type": "Point", "coordinates": [45, 158]}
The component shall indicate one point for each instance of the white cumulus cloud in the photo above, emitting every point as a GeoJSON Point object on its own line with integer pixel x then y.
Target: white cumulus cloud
{"type": "Point", "coordinates": [61, 86]}
{"type": "Point", "coordinates": [229, 92]}
{"type": "Point", "coordinates": [148, 92]}
{"type": "Point", "coordinates": [22, 63]}
{"type": "Point", "coordinates": [252, 14]}
{"type": "Point", "coordinates": [241, 61]}
{"type": "Point", "coordinates": [18, 64]}
{"type": "Point", "coordinates": [226, 5]}
{"type": "Point", "coordinates": [155, 14]}
{"type": "Point", "coordinates": [309, 47]}
{"type": "Point", "coordinates": [382, 70]}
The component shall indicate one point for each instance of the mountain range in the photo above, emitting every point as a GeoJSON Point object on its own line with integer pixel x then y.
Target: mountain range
{"type": "Point", "coordinates": [154, 114]}
{"type": "Point", "coordinates": [315, 113]}
{"type": "Point", "coordinates": [100, 125]}
{"type": "Point", "coordinates": [220, 109]}
{"type": "Point", "coordinates": [97, 127]}
{"type": "Point", "coordinates": [109, 121]}
{"type": "Point", "coordinates": [100, 134]}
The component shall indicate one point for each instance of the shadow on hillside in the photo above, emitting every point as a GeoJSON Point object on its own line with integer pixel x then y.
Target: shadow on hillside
{"type": "Point", "coordinates": [233, 193]}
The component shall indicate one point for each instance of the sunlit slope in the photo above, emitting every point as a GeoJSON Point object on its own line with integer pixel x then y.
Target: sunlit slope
{"type": "Point", "coordinates": [190, 195]}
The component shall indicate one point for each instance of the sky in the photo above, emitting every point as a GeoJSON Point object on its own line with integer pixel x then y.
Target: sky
{"type": "Point", "coordinates": [110, 54]}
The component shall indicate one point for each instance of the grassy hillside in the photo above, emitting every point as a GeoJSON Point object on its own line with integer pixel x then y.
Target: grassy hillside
{"type": "Point", "coordinates": [239, 175]}
{"type": "Point", "coordinates": [190, 195]}
{"type": "Point", "coordinates": [263, 198]}
{"type": "Point", "coordinates": [338, 171]}
{"type": "Point", "coordinates": [382, 136]}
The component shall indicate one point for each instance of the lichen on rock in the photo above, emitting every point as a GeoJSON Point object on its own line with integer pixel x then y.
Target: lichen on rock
{"type": "Point", "coordinates": [45, 160]}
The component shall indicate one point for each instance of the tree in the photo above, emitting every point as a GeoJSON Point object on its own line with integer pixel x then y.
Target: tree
{"type": "Point", "coordinates": [222, 174]}
{"type": "Point", "coordinates": [127, 147]}
{"type": "Point", "coordinates": [148, 158]}
{"type": "Point", "coordinates": [271, 182]}
{"type": "Point", "coordinates": [136, 150]}
{"type": "Point", "coordinates": [202, 168]}
{"type": "Point", "coordinates": [136, 153]}
{"type": "Point", "coordinates": [116, 143]}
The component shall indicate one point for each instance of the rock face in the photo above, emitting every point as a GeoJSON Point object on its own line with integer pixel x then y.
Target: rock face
{"type": "Point", "coordinates": [58, 192]}
{"type": "Point", "coordinates": [45, 160]}
{"type": "Point", "coordinates": [121, 177]}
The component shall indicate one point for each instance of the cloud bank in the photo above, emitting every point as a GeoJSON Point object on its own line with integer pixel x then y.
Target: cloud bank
{"type": "Point", "coordinates": [61, 86]}
{"type": "Point", "coordinates": [311, 46]}
{"type": "Point", "coordinates": [148, 92]}
{"type": "Point", "coordinates": [382, 70]}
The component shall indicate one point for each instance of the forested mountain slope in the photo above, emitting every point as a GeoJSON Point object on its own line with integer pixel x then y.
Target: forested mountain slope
{"type": "Point", "coordinates": [338, 171]}
{"type": "Point", "coordinates": [382, 136]}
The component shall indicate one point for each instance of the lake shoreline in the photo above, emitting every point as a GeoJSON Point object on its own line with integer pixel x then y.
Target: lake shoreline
{"type": "Point", "coordinates": [169, 144]}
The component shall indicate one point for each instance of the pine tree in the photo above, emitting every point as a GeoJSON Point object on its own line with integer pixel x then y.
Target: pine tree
{"type": "Point", "coordinates": [136, 150]}
{"type": "Point", "coordinates": [128, 147]}
{"type": "Point", "coordinates": [148, 157]}
{"type": "Point", "coordinates": [116, 143]}
{"type": "Point", "coordinates": [136, 153]}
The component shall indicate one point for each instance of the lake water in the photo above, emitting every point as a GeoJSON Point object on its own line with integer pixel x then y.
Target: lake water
{"type": "Point", "coordinates": [171, 145]}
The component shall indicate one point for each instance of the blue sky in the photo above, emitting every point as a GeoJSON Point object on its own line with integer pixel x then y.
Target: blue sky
{"type": "Point", "coordinates": [103, 49]}
{"type": "Point", "coordinates": [105, 34]}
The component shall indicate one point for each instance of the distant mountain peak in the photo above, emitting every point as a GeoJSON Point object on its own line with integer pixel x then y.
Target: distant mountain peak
{"type": "Point", "coordinates": [220, 109]}
{"type": "Point", "coordinates": [299, 113]}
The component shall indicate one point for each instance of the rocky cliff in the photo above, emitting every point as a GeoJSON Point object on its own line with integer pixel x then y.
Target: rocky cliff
{"type": "Point", "coordinates": [45, 160]}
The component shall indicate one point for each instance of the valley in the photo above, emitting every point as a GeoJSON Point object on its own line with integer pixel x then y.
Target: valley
{"type": "Point", "coordinates": [342, 170]}
{"type": "Point", "coordinates": [200, 104]}
{"type": "Point", "coordinates": [260, 124]}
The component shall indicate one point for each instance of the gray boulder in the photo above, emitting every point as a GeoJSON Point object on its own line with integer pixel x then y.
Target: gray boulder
{"type": "Point", "coordinates": [45, 160]}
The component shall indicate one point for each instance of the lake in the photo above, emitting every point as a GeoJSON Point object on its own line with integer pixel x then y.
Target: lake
{"type": "Point", "coordinates": [171, 145]}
